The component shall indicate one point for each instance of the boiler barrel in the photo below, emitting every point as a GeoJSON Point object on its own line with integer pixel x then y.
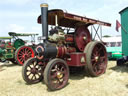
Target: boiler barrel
{"type": "Point", "coordinates": [51, 51]}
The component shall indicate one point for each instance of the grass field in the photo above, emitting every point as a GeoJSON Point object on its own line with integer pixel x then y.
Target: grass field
{"type": "Point", "coordinates": [113, 83]}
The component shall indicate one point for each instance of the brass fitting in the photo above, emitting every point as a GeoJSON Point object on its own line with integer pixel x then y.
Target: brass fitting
{"type": "Point", "coordinates": [84, 37]}
{"type": "Point", "coordinates": [44, 5]}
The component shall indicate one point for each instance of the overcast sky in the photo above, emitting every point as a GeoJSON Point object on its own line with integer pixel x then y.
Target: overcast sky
{"type": "Point", "coordinates": [21, 15]}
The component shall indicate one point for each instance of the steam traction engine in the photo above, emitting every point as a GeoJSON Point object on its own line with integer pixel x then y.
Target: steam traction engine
{"type": "Point", "coordinates": [60, 50]}
{"type": "Point", "coordinates": [16, 51]}
{"type": "Point", "coordinates": [4, 41]}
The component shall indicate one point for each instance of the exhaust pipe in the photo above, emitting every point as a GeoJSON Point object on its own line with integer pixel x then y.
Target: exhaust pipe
{"type": "Point", "coordinates": [44, 20]}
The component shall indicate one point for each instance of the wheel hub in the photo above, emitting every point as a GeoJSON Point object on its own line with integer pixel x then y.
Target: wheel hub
{"type": "Point", "coordinates": [34, 71]}
{"type": "Point", "coordinates": [59, 75]}
{"type": "Point", "coordinates": [96, 58]}
{"type": "Point", "coordinates": [25, 56]}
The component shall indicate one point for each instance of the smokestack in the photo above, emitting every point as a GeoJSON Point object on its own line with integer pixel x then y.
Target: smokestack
{"type": "Point", "coordinates": [44, 20]}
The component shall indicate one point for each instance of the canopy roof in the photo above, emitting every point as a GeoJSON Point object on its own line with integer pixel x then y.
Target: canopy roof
{"type": "Point", "coordinates": [70, 20]}
{"type": "Point", "coordinates": [5, 37]}
{"type": "Point", "coordinates": [21, 34]}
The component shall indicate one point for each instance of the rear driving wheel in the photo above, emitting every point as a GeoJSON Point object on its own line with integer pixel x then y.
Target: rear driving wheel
{"type": "Point", "coordinates": [23, 53]}
{"type": "Point", "coordinates": [85, 51]}
{"type": "Point", "coordinates": [32, 71]}
{"type": "Point", "coordinates": [96, 57]}
{"type": "Point", "coordinates": [56, 74]}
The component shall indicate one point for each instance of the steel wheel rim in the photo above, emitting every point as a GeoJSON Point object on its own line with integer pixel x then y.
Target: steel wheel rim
{"type": "Point", "coordinates": [33, 71]}
{"type": "Point", "coordinates": [99, 59]}
{"type": "Point", "coordinates": [24, 53]}
{"type": "Point", "coordinates": [58, 75]}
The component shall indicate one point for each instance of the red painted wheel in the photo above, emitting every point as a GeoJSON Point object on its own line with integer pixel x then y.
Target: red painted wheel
{"type": "Point", "coordinates": [32, 71]}
{"type": "Point", "coordinates": [56, 74]}
{"type": "Point", "coordinates": [23, 53]}
{"type": "Point", "coordinates": [96, 59]}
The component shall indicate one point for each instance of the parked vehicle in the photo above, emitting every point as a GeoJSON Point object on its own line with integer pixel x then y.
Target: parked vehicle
{"type": "Point", "coordinates": [3, 41]}
{"type": "Point", "coordinates": [124, 34]}
{"type": "Point", "coordinates": [114, 47]}
{"type": "Point", "coordinates": [15, 49]}
{"type": "Point", "coordinates": [64, 48]}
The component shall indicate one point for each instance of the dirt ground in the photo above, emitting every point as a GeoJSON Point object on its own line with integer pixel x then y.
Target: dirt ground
{"type": "Point", "coordinates": [113, 83]}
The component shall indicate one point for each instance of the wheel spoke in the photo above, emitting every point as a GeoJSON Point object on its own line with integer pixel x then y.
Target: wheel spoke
{"type": "Point", "coordinates": [34, 63]}
{"type": "Point", "coordinates": [55, 84]}
{"type": "Point", "coordinates": [29, 74]}
{"type": "Point", "coordinates": [21, 52]}
{"type": "Point", "coordinates": [40, 71]}
{"type": "Point", "coordinates": [56, 66]}
{"type": "Point", "coordinates": [20, 56]}
{"type": "Point", "coordinates": [30, 66]}
{"type": "Point", "coordinates": [62, 68]}
{"type": "Point", "coordinates": [93, 60]}
{"type": "Point", "coordinates": [101, 66]}
{"type": "Point", "coordinates": [21, 60]}
{"type": "Point", "coordinates": [24, 59]}
{"type": "Point", "coordinates": [29, 54]}
{"type": "Point", "coordinates": [26, 50]}
{"type": "Point", "coordinates": [38, 74]}
{"type": "Point", "coordinates": [53, 75]}
{"type": "Point", "coordinates": [99, 50]}
{"type": "Point", "coordinates": [102, 58]}
{"type": "Point", "coordinates": [63, 72]}
{"type": "Point", "coordinates": [93, 55]}
{"type": "Point", "coordinates": [94, 64]}
{"type": "Point", "coordinates": [28, 70]}
{"type": "Point", "coordinates": [95, 69]}
{"type": "Point", "coordinates": [33, 77]}
{"type": "Point", "coordinates": [95, 49]}
{"type": "Point", "coordinates": [96, 53]}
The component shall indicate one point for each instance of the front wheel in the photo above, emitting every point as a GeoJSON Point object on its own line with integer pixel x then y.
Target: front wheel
{"type": "Point", "coordinates": [56, 74]}
{"type": "Point", "coordinates": [32, 71]}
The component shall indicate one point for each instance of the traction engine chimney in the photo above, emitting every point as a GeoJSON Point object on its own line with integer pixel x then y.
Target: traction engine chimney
{"type": "Point", "coordinates": [44, 20]}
